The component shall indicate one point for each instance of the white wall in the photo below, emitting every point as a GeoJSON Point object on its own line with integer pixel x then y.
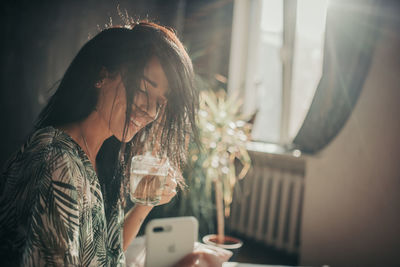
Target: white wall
{"type": "Point", "coordinates": [351, 214]}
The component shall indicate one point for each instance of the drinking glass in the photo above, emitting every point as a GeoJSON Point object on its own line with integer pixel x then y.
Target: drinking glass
{"type": "Point", "coordinates": [147, 180]}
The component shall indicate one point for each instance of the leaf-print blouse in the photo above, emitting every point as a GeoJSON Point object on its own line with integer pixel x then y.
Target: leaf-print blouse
{"type": "Point", "coordinates": [52, 208]}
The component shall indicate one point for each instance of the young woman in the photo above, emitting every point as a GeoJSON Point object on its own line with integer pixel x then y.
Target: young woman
{"type": "Point", "coordinates": [62, 201]}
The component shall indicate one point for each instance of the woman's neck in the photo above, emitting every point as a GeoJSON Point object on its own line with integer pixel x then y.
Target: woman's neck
{"type": "Point", "coordinates": [89, 134]}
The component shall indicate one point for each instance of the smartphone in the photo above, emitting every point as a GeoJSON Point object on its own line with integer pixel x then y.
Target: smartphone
{"type": "Point", "coordinates": [169, 239]}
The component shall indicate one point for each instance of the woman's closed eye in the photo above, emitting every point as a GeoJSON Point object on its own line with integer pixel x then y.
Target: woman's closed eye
{"type": "Point", "coordinates": [152, 83]}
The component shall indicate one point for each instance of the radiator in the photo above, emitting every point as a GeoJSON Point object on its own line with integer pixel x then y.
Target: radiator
{"type": "Point", "coordinates": [267, 203]}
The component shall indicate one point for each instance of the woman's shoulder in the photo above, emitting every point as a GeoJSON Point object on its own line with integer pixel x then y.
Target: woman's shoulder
{"type": "Point", "coordinates": [48, 153]}
{"type": "Point", "coordinates": [52, 140]}
{"type": "Point", "coordinates": [51, 137]}
{"type": "Point", "coordinates": [46, 146]}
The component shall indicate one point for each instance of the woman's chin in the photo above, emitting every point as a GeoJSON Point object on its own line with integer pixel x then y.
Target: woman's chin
{"type": "Point", "coordinates": [132, 130]}
{"type": "Point", "coordinates": [131, 133]}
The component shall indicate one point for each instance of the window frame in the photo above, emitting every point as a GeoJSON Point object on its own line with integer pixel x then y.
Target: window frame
{"type": "Point", "coordinates": [245, 39]}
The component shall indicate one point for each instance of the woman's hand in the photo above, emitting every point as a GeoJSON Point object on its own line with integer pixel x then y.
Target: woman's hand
{"type": "Point", "coordinates": [170, 186]}
{"type": "Point", "coordinates": [136, 216]}
{"type": "Point", "coordinates": [205, 256]}
{"type": "Point", "coordinates": [200, 259]}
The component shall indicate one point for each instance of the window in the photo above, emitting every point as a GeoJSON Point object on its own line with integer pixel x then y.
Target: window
{"type": "Point", "coordinates": [276, 62]}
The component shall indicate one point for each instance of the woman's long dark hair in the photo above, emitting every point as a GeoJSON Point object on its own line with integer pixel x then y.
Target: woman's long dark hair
{"type": "Point", "coordinates": [126, 50]}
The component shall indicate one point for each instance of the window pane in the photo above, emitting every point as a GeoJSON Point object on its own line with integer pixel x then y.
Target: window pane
{"type": "Point", "coordinates": [308, 56]}
{"type": "Point", "coordinates": [268, 77]}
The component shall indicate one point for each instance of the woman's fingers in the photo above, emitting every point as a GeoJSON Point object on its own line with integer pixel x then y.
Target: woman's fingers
{"type": "Point", "coordinates": [200, 259]}
{"type": "Point", "coordinates": [169, 191]}
{"type": "Point", "coordinates": [171, 179]}
{"type": "Point", "coordinates": [171, 184]}
{"type": "Point", "coordinates": [170, 187]}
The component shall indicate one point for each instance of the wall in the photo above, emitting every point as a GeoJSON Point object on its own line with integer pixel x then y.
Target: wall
{"type": "Point", "coordinates": [352, 188]}
{"type": "Point", "coordinates": [40, 39]}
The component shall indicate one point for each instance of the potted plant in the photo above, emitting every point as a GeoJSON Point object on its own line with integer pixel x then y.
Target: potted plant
{"type": "Point", "coordinates": [212, 167]}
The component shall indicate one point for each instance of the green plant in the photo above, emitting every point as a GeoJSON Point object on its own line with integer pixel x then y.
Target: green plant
{"type": "Point", "coordinates": [211, 168]}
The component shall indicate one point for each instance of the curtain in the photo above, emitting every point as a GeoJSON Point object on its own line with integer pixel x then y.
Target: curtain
{"type": "Point", "coordinates": [352, 27]}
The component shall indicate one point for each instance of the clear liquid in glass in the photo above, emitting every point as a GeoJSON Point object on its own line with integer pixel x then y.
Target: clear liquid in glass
{"type": "Point", "coordinates": [147, 187]}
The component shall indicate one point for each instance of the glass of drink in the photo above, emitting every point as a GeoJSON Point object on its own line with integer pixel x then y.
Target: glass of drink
{"type": "Point", "coordinates": [147, 181]}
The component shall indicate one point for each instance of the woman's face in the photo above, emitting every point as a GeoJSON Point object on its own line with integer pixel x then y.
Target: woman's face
{"type": "Point", "coordinates": [148, 103]}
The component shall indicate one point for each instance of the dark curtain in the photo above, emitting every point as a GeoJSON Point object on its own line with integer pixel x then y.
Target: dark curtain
{"type": "Point", "coordinates": [40, 39]}
{"type": "Point", "coordinates": [352, 28]}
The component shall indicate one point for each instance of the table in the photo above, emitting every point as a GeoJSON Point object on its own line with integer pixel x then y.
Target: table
{"type": "Point", "coordinates": [240, 264]}
{"type": "Point", "coordinates": [135, 256]}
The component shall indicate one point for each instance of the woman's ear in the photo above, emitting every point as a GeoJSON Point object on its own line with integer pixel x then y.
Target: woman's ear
{"type": "Point", "coordinates": [103, 74]}
{"type": "Point", "coordinates": [99, 84]}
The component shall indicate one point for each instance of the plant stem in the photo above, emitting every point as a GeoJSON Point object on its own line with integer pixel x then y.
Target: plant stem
{"type": "Point", "coordinates": [220, 213]}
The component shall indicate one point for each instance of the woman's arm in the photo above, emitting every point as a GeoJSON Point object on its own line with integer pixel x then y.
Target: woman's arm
{"type": "Point", "coordinates": [133, 220]}
{"type": "Point", "coordinates": [135, 217]}
{"type": "Point", "coordinates": [54, 227]}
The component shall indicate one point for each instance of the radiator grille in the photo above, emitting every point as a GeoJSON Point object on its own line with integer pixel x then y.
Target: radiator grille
{"type": "Point", "coordinates": [267, 203]}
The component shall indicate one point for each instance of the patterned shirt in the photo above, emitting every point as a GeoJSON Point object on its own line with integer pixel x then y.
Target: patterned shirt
{"type": "Point", "coordinates": [52, 208]}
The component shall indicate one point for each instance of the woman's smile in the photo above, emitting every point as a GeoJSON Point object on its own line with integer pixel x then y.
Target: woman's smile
{"type": "Point", "coordinates": [135, 123]}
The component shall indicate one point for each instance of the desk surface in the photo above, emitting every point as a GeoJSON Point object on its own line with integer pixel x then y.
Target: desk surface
{"type": "Point", "coordinates": [240, 264]}
{"type": "Point", "coordinates": [135, 255]}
